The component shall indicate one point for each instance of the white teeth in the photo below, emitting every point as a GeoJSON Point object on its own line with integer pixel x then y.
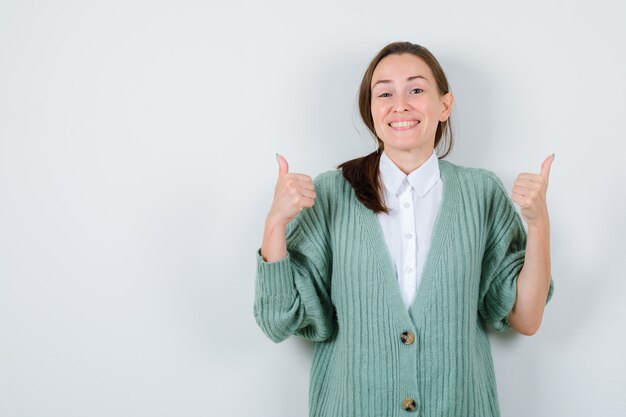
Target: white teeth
{"type": "Point", "coordinates": [404, 124]}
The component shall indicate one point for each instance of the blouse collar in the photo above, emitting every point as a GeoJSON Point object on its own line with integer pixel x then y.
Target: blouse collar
{"type": "Point", "coordinates": [422, 178]}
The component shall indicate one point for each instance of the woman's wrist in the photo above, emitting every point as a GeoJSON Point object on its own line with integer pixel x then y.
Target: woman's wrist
{"type": "Point", "coordinates": [272, 223]}
{"type": "Point", "coordinates": [274, 245]}
{"type": "Point", "coordinates": [541, 226]}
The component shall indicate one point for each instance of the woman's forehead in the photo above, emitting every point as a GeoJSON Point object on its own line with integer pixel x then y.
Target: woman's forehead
{"type": "Point", "coordinates": [401, 67]}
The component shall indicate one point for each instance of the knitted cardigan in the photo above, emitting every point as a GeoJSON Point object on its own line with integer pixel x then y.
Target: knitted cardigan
{"type": "Point", "coordinates": [371, 356]}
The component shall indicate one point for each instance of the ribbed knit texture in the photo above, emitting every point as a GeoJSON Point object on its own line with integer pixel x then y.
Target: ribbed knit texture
{"type": "Point", "coordinates": [337, 287]}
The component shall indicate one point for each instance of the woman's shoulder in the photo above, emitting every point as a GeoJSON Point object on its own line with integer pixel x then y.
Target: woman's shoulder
{"type": "Point", "coordinates": [331, 187]}
{"type": "Point", "coordinates": [331, 180]}
{"type": "Point", "coordinates": [481, 178]}
{"type": "Point", "coordinates": [330, 175]}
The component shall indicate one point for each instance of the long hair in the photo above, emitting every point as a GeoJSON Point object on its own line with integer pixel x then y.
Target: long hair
{"type": "Point", "coordinates": [362, 173]}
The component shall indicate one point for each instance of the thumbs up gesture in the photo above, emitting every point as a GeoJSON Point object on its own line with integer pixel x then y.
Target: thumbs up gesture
{"type": "Point", "coordinates": [529, 192]}
{"type": "Point", "coordinates": [293, 192]}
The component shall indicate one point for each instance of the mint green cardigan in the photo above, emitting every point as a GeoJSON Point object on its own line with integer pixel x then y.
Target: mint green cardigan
{"type": "Point", "coordinates": [337, 287]}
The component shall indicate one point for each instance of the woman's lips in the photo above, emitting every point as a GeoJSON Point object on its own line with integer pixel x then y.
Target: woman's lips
{"type": "Point", "coordinates": [404, 125]}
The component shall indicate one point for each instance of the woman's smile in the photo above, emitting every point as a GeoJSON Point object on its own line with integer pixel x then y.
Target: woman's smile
{"type": "Point", "coordinates": [404, 125]}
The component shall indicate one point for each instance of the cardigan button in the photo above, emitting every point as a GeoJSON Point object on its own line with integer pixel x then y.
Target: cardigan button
{"type": "Point", "coordinates": [409, 404]}
{"type": "Point", "coordinates": [407, 338]}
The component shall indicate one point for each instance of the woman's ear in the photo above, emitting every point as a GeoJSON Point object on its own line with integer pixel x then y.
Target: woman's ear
{"type": "Point", "coordinates": [447, 100]}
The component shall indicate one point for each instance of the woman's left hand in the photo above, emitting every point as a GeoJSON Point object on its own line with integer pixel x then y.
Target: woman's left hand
{"type": "Point", "coordinates": [529, 192]}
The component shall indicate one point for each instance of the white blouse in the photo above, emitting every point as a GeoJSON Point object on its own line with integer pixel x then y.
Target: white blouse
{"type": "Point", "coordinates": [414, 201]}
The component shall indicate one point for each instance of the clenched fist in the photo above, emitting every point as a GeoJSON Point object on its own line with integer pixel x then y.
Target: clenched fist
{"type": "Point", "coordinates": [292, 193]}
{"type": "Point", "coordinates": [529, 192]}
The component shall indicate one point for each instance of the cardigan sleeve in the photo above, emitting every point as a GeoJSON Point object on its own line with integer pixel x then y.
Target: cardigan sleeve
{"type": "Point", "coordinates": [292, 295]}
{"type": "Point", "coordinates": [503, 259]}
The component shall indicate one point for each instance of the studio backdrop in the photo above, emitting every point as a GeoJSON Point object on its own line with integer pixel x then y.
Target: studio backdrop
{"type": "Point", "coordinates": [137, 165]}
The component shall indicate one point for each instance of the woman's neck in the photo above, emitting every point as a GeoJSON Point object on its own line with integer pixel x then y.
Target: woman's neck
{"type": "Point", "coordinates": [409, 161]}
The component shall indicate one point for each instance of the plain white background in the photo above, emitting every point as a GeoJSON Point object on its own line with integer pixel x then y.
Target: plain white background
{"type": "Point", "coordinates": [137, 143]}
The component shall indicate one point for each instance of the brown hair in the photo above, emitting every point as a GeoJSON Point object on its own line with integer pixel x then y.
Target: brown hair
{"type": "Point", "coordinates": [362, 173]}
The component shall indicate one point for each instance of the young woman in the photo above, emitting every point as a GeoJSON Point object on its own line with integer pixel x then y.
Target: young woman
{"type": "Point", "coordinates": [393, 263]}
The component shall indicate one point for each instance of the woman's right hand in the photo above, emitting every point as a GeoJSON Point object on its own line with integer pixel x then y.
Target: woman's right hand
{"type": "Point", "coordinates": [292, 193]}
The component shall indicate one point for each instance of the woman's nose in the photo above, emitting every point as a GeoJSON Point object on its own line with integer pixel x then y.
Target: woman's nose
{"type": "Point", "coordinates": [400, 104]}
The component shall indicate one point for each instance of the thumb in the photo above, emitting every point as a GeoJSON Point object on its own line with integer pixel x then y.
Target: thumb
{"type": "Point", "coordinates": [283, 166]}
{"type": "Point", "coordinates": [545, 167]}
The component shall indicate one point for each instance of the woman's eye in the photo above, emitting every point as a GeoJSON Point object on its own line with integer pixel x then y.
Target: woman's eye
{"type": "Point", "coordinates": [383, 95]}
{"type": "Point", "coordinates": [417, 89]}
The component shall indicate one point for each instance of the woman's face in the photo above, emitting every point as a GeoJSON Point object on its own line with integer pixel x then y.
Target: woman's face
{"type": "Point", "coordinates": [406, 105]}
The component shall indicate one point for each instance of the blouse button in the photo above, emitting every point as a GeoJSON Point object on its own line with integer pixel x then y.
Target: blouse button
{"type": "Point", "coordinates": [406, 205]}
{"type": "Point", "coordinates": [407, 337]}
{"type": "Point", "coordinates": [409, 236]}
{"type": "Point", "coordinates": [409, 404]}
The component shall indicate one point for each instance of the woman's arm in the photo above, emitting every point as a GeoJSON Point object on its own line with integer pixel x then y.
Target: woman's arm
{"type": "Point", "coordinates": [292, 290]}
{"type": "Point", "coordinates": [533, 283]}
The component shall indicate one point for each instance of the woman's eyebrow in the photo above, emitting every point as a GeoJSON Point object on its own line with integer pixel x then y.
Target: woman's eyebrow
{"type": "Point", "coordinates": [408, 79]}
